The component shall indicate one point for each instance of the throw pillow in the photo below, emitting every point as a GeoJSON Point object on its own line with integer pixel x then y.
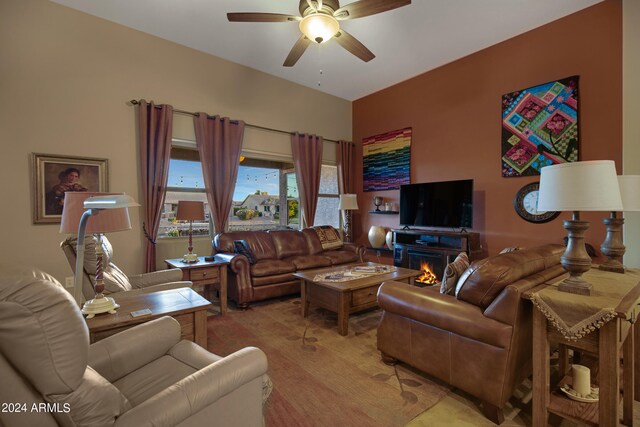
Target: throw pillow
{"type": "Point", "coordinates": [452, 273]}
{"type": "Point", "coordinates": [329, 237]}
{"type": "Point", "coordinates": [242, 247]}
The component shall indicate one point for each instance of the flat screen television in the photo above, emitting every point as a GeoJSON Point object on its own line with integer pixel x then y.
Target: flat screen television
{"type": "Point", "coordinates": [437, 204]}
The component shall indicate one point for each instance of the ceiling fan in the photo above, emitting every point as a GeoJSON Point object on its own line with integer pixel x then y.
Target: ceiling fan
{"type": "Point", "coordinates": [318, 22]}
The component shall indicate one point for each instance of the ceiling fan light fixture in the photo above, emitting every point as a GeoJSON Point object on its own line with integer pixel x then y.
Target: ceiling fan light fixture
{"type": "Point", "coordinates": [319, 27]}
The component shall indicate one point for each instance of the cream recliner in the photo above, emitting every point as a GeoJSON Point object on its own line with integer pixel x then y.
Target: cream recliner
{"type": "Point", "coordinates": [114, 279]}
{"type": "Point", "coordinates": [144, 376]}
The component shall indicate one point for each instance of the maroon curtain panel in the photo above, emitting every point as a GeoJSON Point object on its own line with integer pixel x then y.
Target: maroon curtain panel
{"type": "Point", "coordinates": [155, 127]}
{"type": "Point", "coordinates": [307, 161]}
{"type": "Point", "coordinates": [219, 141]}
{"type": "Point", "coordinates": [344, 156]}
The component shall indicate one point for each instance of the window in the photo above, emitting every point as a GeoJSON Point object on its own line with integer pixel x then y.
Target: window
{"type": "Point", "coordinates": [264, 189]}
{"type": "Point", "coordinates": [258, 196]}
{"type": "Point", "coordinates": [327, 212]}
{"type": "Point", "coordinates": [185, 183]}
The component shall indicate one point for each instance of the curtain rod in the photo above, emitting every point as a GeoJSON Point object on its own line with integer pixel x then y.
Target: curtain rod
{"type": "Point", "coordinates": [189, 113]}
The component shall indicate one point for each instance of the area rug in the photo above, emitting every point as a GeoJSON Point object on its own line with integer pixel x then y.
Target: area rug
{"type": "Point", "coordinates": [321, 378]}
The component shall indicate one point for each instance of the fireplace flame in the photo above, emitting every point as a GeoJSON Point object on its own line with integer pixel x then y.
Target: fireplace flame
{"type": "Point", "coordinates": [428, 276]}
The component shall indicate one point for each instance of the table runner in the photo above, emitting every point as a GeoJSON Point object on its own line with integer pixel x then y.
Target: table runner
{"type": "Point", "coordinates": [577, 315]}
{"type": "Point", "coordinates": [353, 273]}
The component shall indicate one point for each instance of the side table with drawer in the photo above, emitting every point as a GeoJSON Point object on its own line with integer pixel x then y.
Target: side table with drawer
{"type": "Point", "coordinates": [210, 275]}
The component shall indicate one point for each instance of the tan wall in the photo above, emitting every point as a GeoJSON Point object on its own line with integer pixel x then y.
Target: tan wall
{"type": "Point", "coordinates": [631, 121]}
{"type": "Point", "coordinates": [455, 115]}
{"type": "Point", "coordinates": [65, 78]}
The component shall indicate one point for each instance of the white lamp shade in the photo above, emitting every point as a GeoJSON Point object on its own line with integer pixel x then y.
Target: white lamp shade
{"type": "Point", "coordinates": [109, 220]}
{"type": "Point", "coordinates": [348, 202]}
{"type": "Point", "coordinates": [579, 186]}
{"type": "Point", "coordinates": [630, 192]}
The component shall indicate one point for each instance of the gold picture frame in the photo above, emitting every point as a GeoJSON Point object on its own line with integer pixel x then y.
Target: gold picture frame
{"type": "Point", "coordinates": [54, 175]}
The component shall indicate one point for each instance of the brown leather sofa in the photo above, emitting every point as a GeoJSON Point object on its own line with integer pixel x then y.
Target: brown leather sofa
{"type": "Point", "coordinates": [479, 341]}
{"type": "Point", "coordinates": [279, 254]}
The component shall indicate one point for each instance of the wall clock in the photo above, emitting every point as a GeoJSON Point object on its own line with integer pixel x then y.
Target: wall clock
{"type": "Point", "coordinates": [526, 203]}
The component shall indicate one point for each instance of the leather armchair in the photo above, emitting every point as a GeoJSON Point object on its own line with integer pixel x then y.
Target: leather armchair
{"type": "Point", "coordinates": [115, 280]}
{"type": "Point", "coordinates": [144, 376]}
{"type": "Point", "coordinates": [480, 340]}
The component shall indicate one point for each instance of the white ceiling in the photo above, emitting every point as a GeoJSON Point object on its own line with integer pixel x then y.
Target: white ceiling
{"type": "Point", "coordinates": [407, 41]}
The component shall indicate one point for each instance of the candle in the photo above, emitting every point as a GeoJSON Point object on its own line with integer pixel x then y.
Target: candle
{"type": "Point", "coordinates": [581, 380]}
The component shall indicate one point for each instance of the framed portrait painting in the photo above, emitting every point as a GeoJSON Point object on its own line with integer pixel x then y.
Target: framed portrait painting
{"type": "Point", "coordinates": [53, 176]}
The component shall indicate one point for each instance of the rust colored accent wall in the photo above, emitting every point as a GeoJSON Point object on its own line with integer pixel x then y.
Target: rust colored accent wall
{"type": "Point", "coordinates": [455, 113]}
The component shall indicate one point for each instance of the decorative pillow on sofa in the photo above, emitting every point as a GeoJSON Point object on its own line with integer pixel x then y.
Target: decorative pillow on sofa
{"type": "Point", "coordinates": [242, 247]}
{"type": "Point", "coordinates": [452, 273]}
{"type": "Point", "coordinates": [329, 237]}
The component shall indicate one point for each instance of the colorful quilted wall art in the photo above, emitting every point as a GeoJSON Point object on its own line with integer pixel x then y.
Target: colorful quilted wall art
{"type": "Point", "coordinates": [386, 159]}
{"type": "Point", "coordinates": [540, 127]}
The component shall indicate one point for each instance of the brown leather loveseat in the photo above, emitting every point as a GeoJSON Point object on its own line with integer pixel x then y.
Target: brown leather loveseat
{"type": "Point", "coordinates": [479, 340]}
{"type": "Point", "coordinates": [278, 254]}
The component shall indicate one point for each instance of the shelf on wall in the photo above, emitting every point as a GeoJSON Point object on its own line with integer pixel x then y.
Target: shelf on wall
{"type": "Point", "coordinates": [384, 212]}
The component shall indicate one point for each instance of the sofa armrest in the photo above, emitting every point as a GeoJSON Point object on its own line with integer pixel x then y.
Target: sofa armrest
{"type": "Point", "coordinates": [429, 306]}
{"type": "Point", "coordinates": [239, 284]}
{"type": "Point", "coordinates": [155, 278]}
{"type": "Point", "coordinates": [194, 393]}
{"type": "Point", "coordinates": [122, 353]}
{"type": "Point", "coordinates": [358, 249]}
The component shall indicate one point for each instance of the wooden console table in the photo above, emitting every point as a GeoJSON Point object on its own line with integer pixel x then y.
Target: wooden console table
{"type": "Point", "coordinates": [614, 337]}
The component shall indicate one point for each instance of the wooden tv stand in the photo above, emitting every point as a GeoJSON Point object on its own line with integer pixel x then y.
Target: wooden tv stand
{"type": "Point", "coordinates": [436, 246]}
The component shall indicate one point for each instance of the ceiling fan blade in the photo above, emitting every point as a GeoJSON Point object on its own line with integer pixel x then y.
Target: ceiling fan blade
{"type": "Point", "coordinates": [361, 8]}
{"type": "Point", "coordinates": [261, 17]}
{"type": "Point", "coordinates": [296, 51]}
{"type": "Point", "coordinates": [352, 44]}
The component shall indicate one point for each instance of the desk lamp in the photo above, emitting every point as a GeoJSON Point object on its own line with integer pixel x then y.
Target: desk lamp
{"type": "Point", "coordinates": [190, 211]}
{"type": "Point", "coordinates": [348, 203]}
{"type": "Point", "coordinates": [95, 213]}
{"type": "Point", "coordinates": [576, 187]}
{"type": "Point", "coordinates": [613, 247]}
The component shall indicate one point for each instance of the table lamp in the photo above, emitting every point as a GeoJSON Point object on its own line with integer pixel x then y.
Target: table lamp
{"type": "Point", "coordinates": [613, 247]}
{"type": "Point", "coordinates": [576, 187]}
{"type": "Point", "coordinates": [190, 211]}
{"type": "Point", "coordinates": [95, 213]}
{"type": "Point", "coordinates": [348, 203]}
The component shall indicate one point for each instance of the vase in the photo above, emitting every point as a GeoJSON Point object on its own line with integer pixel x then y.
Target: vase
{"type": "Point", "coordinates": [377, 236]}
{"type": "Point", "coordinates": [389, 239]}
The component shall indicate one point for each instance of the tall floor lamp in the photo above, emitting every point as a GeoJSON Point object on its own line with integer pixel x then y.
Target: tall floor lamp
{"type": "Point", "coordinates": [95, 213]}
{"type": "Point", "coordinates": [348, 203]}
{"type": "Point", "coordinates": [575, 187]}
{"type": "Point", "coordinates": [613, 247]}
{"type": "Point", "coordinates": [190, 211]}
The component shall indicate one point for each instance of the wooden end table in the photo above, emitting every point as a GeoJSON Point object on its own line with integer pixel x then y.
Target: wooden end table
{"type": "Point", "coordinates": [348, 297]}
{"type": "Point", "coordinates": [183, 304]}
{"type": "Point", "coordinates": [209, 275]}
{"type": "Point", "coordinates": [609, 342]}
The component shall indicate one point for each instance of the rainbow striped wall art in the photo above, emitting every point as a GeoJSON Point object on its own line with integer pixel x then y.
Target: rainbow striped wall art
{"type": "Point", "coordinates": [386, 159]}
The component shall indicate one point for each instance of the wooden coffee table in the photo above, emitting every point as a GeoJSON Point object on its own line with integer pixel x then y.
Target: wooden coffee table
{"type": "Point", "coordinates": [183, 304]}
{"type": "Point", "coordinates": [347, 297]}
